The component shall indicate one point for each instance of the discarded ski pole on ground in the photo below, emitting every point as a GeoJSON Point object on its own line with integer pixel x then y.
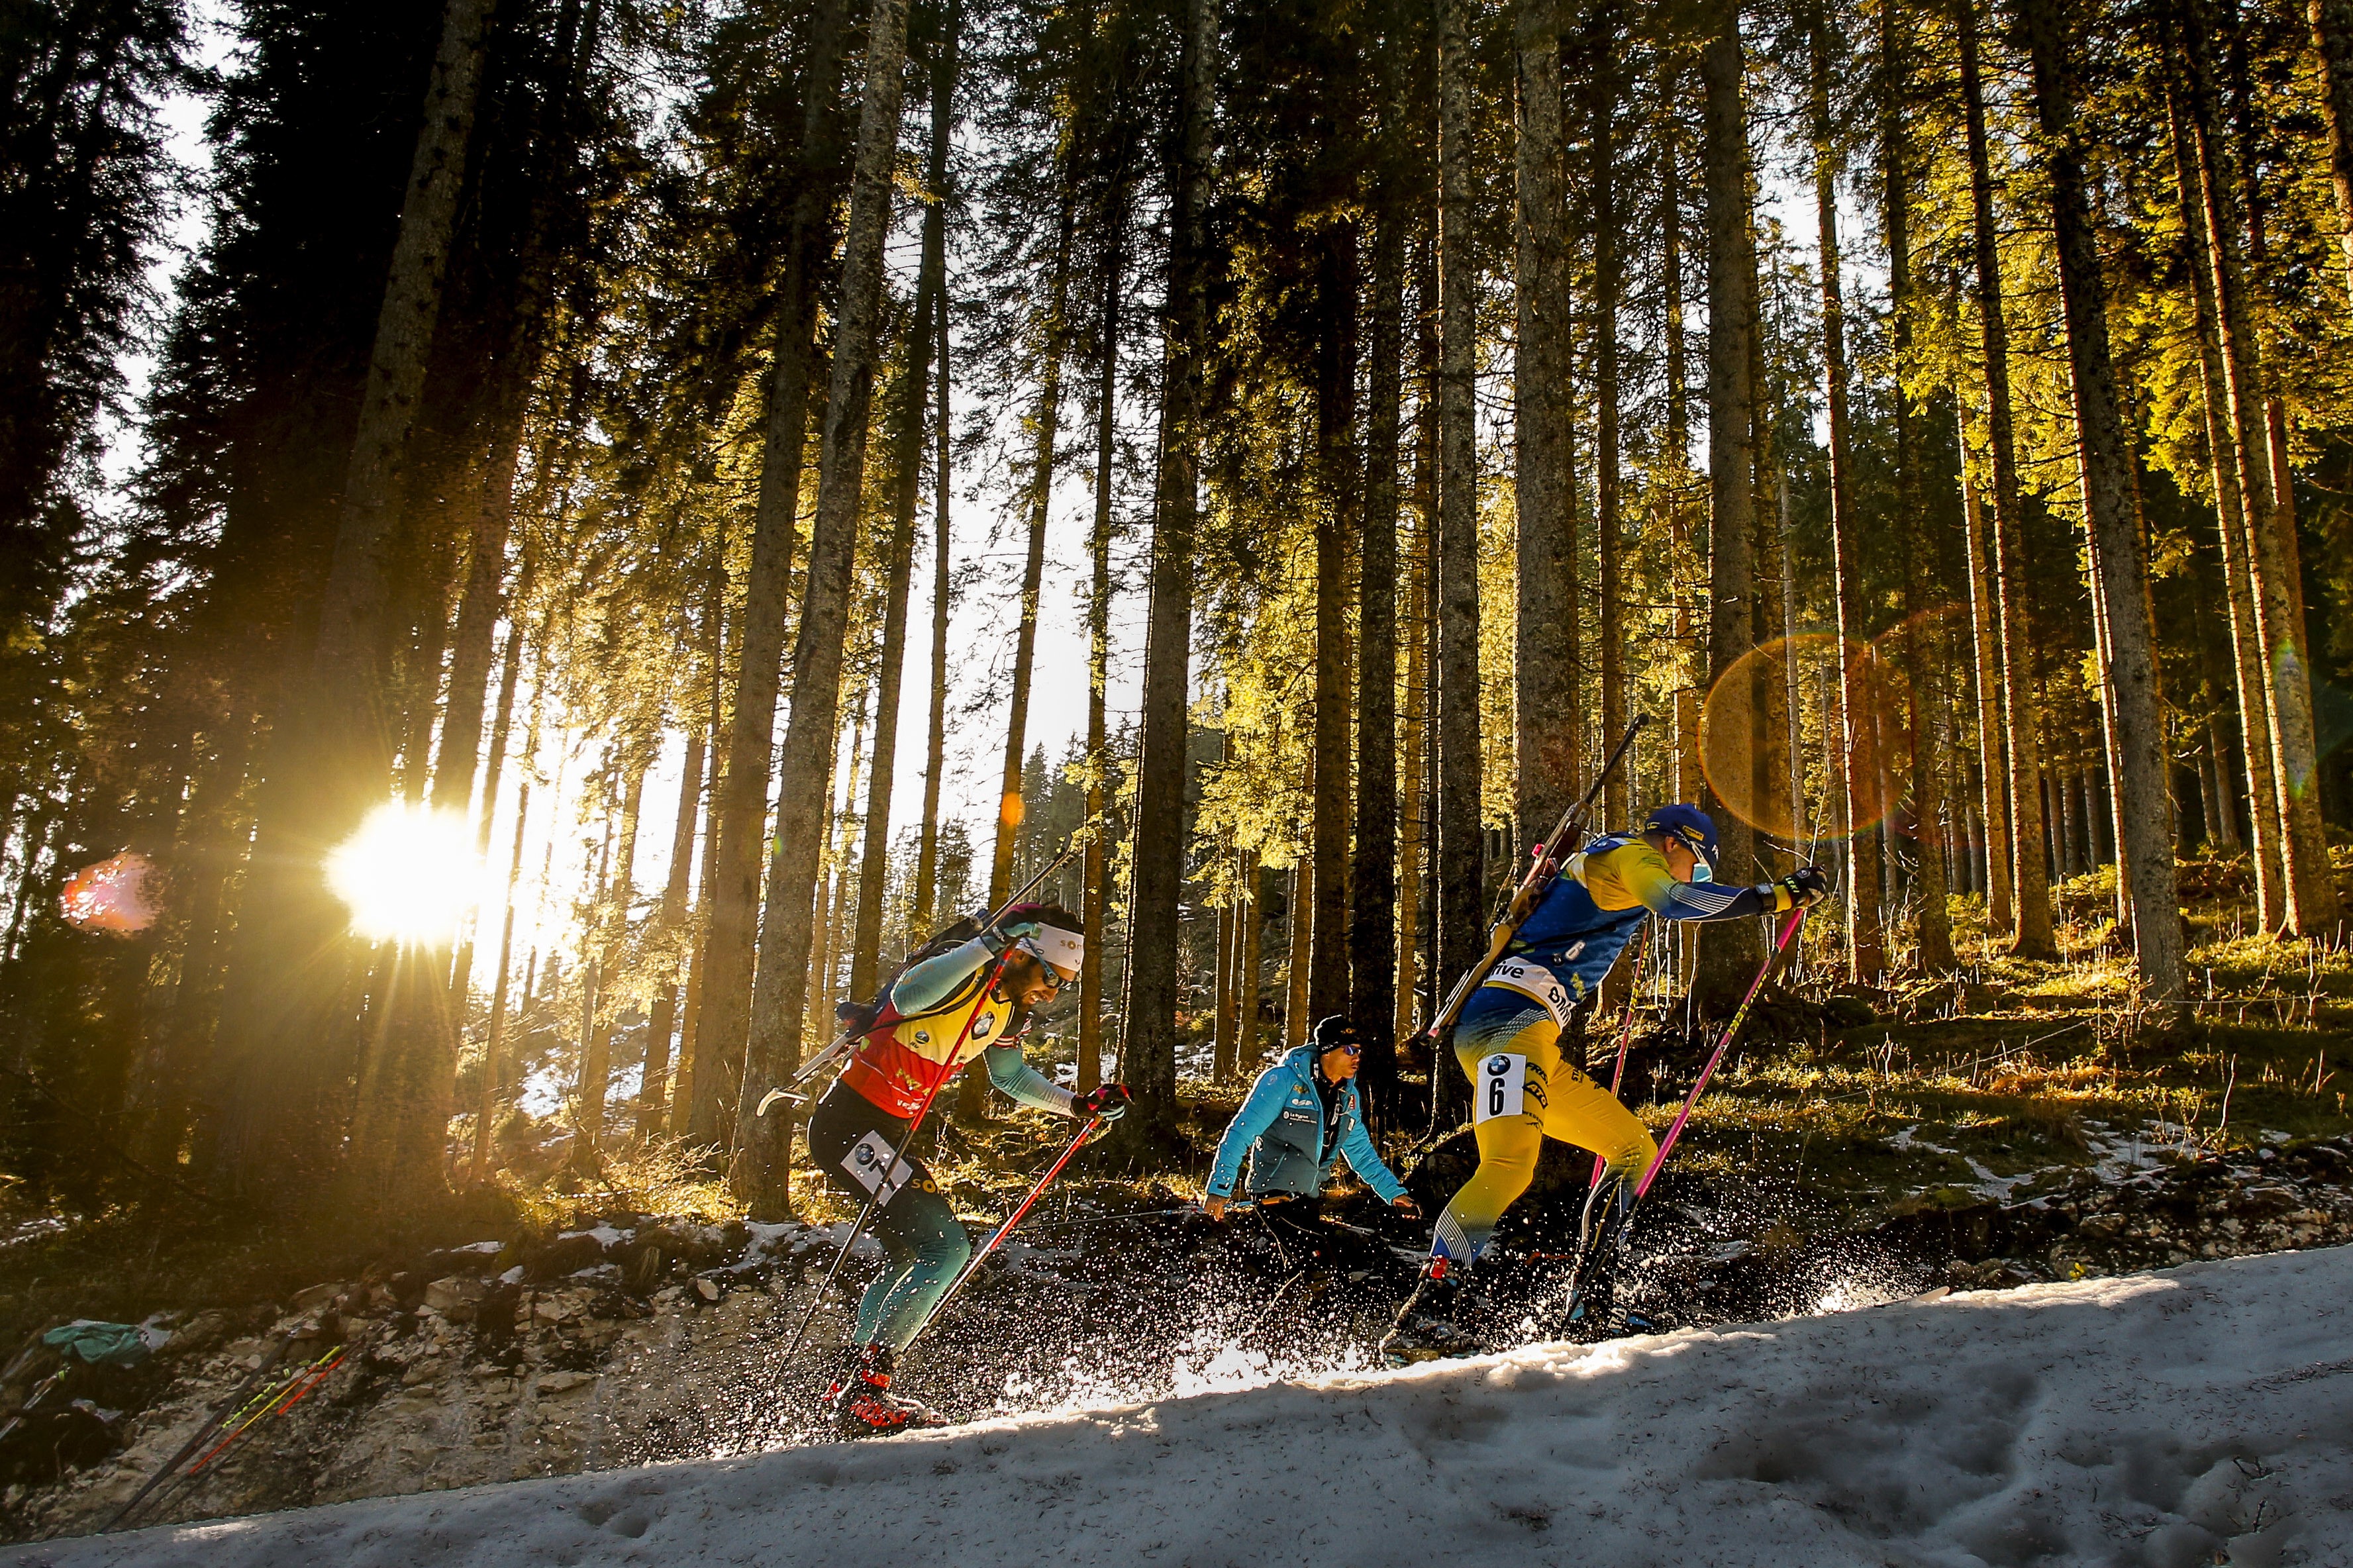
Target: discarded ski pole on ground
{"type": "Point", "coordinates": [1544, 864]}
{"type": "Point", "coordinates": [236, 1403]}
{"type": "Point", "coordinates": [1597, 1239]}
{"type": "Point", "coordinates": [997, 1236]}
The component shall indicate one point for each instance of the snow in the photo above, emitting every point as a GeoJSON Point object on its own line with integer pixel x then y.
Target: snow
{"type": "Point", "coordinates": [2196, 1416]}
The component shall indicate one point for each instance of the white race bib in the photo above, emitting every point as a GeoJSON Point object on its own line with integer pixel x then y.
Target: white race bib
{"type": "Point", "coordinates": [865, 1163]}
{"type": "Point", "coordinates": [1501, 1088]}
{"type": "Point", "coordinates": [1535, 982]}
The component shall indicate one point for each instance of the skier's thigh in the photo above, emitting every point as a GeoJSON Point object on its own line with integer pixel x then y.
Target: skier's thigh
{"type": "Point", "coordinates": [1582, 1112]}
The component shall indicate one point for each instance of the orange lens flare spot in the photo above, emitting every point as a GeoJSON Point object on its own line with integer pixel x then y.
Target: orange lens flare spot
{"type": "Point", "coordinates": [1777, 725]}
{"type": "Point", "coordinates": [109, 897]}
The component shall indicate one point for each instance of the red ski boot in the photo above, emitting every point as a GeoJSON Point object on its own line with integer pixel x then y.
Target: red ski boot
{"type": "Point", "coordinates": [861, 1405]}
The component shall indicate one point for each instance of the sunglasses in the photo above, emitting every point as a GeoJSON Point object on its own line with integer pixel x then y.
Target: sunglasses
{"type": "Point", "coordinates": [1352, 1051]}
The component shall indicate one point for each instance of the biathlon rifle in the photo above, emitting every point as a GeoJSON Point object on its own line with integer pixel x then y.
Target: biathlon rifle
{"type": "Point", "coordinates": [847, 1041]}
{"type": "Point", "coordinates": [1544, 863]}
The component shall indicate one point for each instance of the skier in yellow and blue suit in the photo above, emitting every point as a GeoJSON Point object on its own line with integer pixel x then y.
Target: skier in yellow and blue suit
{"type": "Point", "coordinates": [1507, 1039]}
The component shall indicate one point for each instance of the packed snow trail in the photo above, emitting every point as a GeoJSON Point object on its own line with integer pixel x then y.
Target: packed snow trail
{"type": "Point", "coordinates": [2155, 1419]}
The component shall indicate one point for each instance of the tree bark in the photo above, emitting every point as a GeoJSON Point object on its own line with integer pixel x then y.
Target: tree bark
{"type": "Point", "coordinates": [906, 470]}
{"type": "Point", "coordinates": [935, 744]}
{"type": "Point", "coordinates": [1608, 291]}
{"type": "Point", "coordinates": [1730, 950]}
{"type": "Point", "coordinates": [2332, 42]}
{"type": "Point", "coordinates": [1458, 867]}
{"type": "Point", "coordinates": [1858, 783]}
{"type": "Point", "coordinates": [2001, 911]}
{"type": "Point", "coordinates": [1924, 673]}
{"type": "Point", "coordinates": [2110, 516]}
{"type": "Point", "coordinates": [740, 804]}
{"type": "Point", "coordinates": [758, 1174]}
{"type": "Point", "coordinates": [1374, 902]}
{"type": "Point", "coordinates": [1158, 881]}
{"type": "Point", "coordinates": [2030, 880]}
{"type": "Point", "coordinates": [2312, 906]}
{"type": "Point", "coordinates": [1545, 655]}
{"type": "Point", "coordinates": [1335, 507]}
{"type": "Point", "coordinates": [1097, 891]}
{"type": "Point", "coordinates": [2252, 691]}
{"type": "Point", "coordinates": [617, 895]}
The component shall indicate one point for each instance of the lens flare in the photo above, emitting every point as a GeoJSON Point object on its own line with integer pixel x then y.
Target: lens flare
{"type": "Point", "coordinates": [1774, 730]}
{"type": "Point", "coordinates": [110, 896]}
{"type": "Point", "coordinates": [408, 875]}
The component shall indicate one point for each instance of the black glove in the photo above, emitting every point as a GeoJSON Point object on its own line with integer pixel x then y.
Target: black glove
{"type": "Point", "coordinates": [1108, 1102]}
{"type": "Point", "coordinates": [1806, 886]}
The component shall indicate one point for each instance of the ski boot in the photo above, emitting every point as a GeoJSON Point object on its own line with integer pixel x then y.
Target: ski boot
{"type": "Point", "coordinates": [1426, 1326]}
{"type": "Point", "coordinates": [860, 1402]}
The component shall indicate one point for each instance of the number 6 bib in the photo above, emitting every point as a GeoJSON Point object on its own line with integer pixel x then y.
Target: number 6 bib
{"type": "Point", "coordinates": [1502, 1087]}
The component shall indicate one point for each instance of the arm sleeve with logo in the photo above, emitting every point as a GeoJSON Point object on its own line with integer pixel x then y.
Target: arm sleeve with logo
{"type": "Point", "coordinates": [1266, 1099]}
{"type": "Point", "coordinates": [1635, 873]}
{"type": "Point", "coordinates": [1015, 1079]}
{"type": "Point", "coordinates": [927, 985]}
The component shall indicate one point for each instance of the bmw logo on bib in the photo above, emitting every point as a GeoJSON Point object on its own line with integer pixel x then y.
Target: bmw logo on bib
{"type": "Point", "coordinates": [1498, 1065]}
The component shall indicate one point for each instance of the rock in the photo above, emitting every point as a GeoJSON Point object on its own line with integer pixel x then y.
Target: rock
{"type": "Point", "coordinates": [563, 1382]}
{"type": "Point", "coordinates": [455, 1297]}
{"type": "Point", "coordinates": [316, 1297]}
{"type": "Point", "coordinates": [708, 1289]}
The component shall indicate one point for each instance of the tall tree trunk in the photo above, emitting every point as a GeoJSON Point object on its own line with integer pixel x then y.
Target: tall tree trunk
{"type": "Point", "coordinates": [1154, 912]}
{"type": "Point", "coordinates": [1544, 656]}
{"type": "Point", "coordinates": [1246, 1051]}
{"type": "Point", "coordinates": [1924, 674]}
{"type": "Point", "coordinates": [1730, 949]}
{"type": "Point", "coordinates": [653, 1082]}
{"type": "Point", "coordinates": [2109, 515]}
{"type": "Point", "coordinates": [1374, 903]}
{"type": "Point", "coordinates": [739, 803]}
{"type": "Point", "coordinates": [1414, 833]}
{"type": "Point", "coordinates": [1336, 512]}
{"type": "Point", "coordinates": [2001, 912]}
{"type": "Point", "coordinates": [1608, 289]}
{"type": "Point", "coordinates": [1054, 337]}
{"type": "Point", "coordinates": [1858, 763]}
{"type": "Point", "coordinates": [935, 743]}
{"type": "Point", "coordinates": [1096, 895]}
{"type": "Point", "coordinates": [2312, 906]}
{"type": "Point", "coordinates": [1684, 626]}
{"type": "Point", "coordinates": [2030, 879]}
{"type": "Point", "coordinates": [2252, 691]}
{"type": "Point", "coordinates": [2332, 42]}
{"type": "Point", "coordinates": [1458, 867]}
{"type": "Point", "coordinates": [758, 1174]}
{"type": "Point", "coordinates": [619, 893]}
{"type": "Point", "coordinates": [906, 470]}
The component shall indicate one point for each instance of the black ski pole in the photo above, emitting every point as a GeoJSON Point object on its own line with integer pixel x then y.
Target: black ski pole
{"type": "Point", "coordinates": [236, 1402]}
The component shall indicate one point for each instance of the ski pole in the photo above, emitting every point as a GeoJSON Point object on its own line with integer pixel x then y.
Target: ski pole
{"type": "Point", "coordinates": [847, 1041]}
{"type": "Point", "coordinates": [1789, 929]}
{"type": "Point", "coordinates": [1596, 1238]}
{"type": "Point", "coordinates": [1625, 1034]}
{"type": "Point", "coordinates": [1543, 865]}
{"type": "Point", "coordinates": [874, 1198]}
{"type": "Point", "coordinates": [998, 1235]}
{"type": "Point", "coordinates": [234, 1403]}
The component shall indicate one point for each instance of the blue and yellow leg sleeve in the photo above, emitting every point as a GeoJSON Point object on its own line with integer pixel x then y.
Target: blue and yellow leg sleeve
{"type": "Point", "coordinates": [1554, 1098]}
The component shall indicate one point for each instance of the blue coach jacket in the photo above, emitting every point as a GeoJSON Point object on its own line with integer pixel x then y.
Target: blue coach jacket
{"type": "Point", "coordinates": [1281, 1128]}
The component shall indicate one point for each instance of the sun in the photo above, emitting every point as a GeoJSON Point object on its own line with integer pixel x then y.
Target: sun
{"type": "Point", "coordinates": [408, 875]}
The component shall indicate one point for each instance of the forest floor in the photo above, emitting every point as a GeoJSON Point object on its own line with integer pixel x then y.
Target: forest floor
{"type": "Point", "coordinates": [2011, 1124]}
